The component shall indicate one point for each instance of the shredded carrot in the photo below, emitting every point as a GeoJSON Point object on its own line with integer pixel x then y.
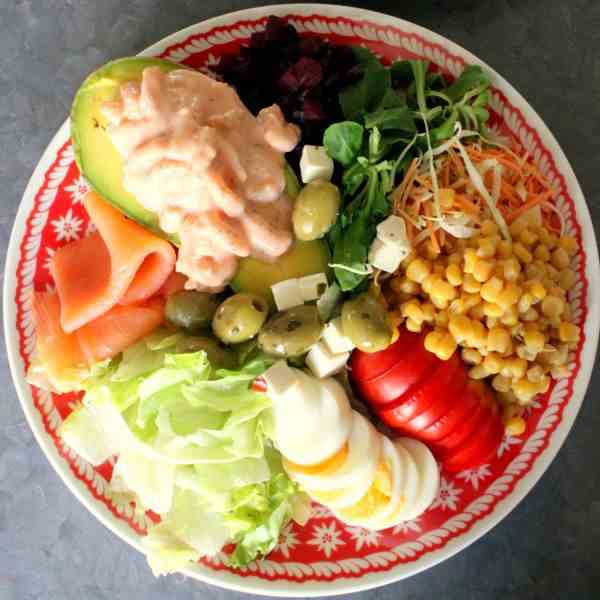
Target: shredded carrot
{"type": "Point", "coordinates": [533, 202]}
{"type": "Point", "coordinates": [413, 197]}
{"type": "Point", "coordinates": [466, 204]}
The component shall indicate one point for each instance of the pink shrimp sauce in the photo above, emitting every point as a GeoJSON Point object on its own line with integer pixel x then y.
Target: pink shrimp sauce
{"type": "Point", "coordinates": [211, 171]}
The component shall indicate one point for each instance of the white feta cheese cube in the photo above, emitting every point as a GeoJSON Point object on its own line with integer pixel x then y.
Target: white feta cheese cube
{"type": "Point", "coordinates": [386, 257]}
{"type": "Point", "coordinates": [323, 363]}
{"type": "Point", "coordinates": [334, 338]}
{"type": "Point", "coordinates": [280, 379]}
{"type": "Point", "coordinates": [287, 294]}
{"type": "Point", "coordinates": [315, 164]}
{"type": "Point", "coordinates": [312, 287]}
{"type": "Point", "coordinates": [392, 231]}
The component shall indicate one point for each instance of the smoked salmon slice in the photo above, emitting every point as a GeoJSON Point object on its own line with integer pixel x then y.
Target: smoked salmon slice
{"type": "Point", "coordinates": [102, 338]}
{"type": "Point", "coordinates": [120, 264]}
{"type": "Point", "coordinates": [56, 350]}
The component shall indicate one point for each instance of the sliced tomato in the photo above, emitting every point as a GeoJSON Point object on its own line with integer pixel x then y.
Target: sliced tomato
{"type": "Point", "coordinates": [366, 366]}
{"type": "Point", "coordinates": [428, 394]}
{"type": "Point", "coordinates": [399, 381]}
{"type": "Point", "coordinates": [463, 407]}
{"type": "Point", "coordinates": [464, 430]}
{"type": "Point", "coordinates": [449, 398]}
{"type": "Point", "coordinates": [479, 448]}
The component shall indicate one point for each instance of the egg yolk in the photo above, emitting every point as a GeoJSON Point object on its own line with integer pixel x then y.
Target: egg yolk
{"type": "Point", "coordinates": [330, 465]}
{"type": "Point", "coordinates": [377, 496]}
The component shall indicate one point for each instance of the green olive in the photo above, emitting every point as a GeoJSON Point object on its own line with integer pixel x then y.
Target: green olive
{"type": "Point", "coordinates": [219, 355]}
{"type": "Point", "coordinates": [366, 323]}
{"type": "Point", "coordinates": [291, 332]}
{"type": "Point", "coordinates": [240, 318]}
{"type": "Point", "coordinates": [315, 210]}
{"type": "Point", "coordinates": [191, 310]}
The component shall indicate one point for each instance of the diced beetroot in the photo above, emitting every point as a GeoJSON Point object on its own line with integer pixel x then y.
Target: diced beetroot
{"type": "Point", "coordinates": [312, 110]}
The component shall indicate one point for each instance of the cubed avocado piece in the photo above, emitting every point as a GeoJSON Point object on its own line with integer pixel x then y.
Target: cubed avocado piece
{"type": "Point", "coordinates": [97, 159]}
{"type": "Point", "coordinates": [303, 258]}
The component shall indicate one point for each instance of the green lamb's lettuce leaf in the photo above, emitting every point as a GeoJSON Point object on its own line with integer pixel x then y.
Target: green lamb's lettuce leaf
{"type": "Point", "coordinates": [343, 141]}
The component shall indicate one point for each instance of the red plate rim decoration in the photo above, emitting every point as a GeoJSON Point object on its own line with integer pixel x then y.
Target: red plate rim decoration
{"type": "Point", "coordinates": [325, 557]}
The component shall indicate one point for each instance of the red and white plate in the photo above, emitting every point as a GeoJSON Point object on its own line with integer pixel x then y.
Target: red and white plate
{"type": "Point", "coordinates": [325, 556]}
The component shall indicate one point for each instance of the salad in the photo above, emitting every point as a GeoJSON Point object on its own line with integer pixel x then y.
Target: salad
{"type": "Point", "coordinates": [312, 277]}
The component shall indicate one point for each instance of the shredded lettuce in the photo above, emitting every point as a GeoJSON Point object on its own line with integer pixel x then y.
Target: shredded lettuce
{"type": "Point", "coordinates": [191, 445]}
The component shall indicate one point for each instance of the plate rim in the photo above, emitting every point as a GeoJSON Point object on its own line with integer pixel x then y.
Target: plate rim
{"type": "Point", "coordinates": [342, 584]}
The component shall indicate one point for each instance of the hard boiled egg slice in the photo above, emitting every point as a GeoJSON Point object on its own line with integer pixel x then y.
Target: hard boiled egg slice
{"type": "Point", "coordinates": [428, 479]}
{"type": "Point", "coordinates": [343, 479]}
{"type": "Point", "coordinates": [385, 495]}
{"type": "Point", "coordinates": [311, 421]}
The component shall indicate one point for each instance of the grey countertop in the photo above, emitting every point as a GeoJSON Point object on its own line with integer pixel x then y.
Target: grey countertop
{"type": "Point", "coordinates": [50, 546]}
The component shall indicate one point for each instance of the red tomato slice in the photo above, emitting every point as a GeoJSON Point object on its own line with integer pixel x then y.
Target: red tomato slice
{"type": "Point", "coordinates": [408, 374]}
{"type": "Point", "coordinates": [429, 394]}
{"type": "Point", "coordinates": [479, 448]}
{"type": "Point", "coordinates": [465, 429]}
{"type": "Point", "coordinates": [449, 398]}
{"type": "Point", "coordinates": [463, 407]}
{"type": "Point", "coordinates": [365, 366]}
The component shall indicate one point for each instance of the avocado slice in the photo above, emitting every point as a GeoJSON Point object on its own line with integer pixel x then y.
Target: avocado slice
{"type": "Point", "coordinates": [303, 258]}
{"type": "Point", "coordinates": [97, 159]}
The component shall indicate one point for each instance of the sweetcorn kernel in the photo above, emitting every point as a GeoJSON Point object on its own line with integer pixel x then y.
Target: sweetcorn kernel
{"type": "Point", "coordinates": [528, 237]}
{"type": "Point", "coordinates": [560, 259]}
{"type": "Point", "coordinates": [493, 363]}
{"type": "Point", "coordinates": [478, 372]}
{"type": "Point", "coordinates": [516, 227]}
{"type": "Point", "coordinates": [534, 339]}
{"type": "Point", "coordinates": [525, 302]}
{"type": "Point", "coordinates": [478, 336]}
{"type": "Point", "coordinates": [542, 253]}
{"type": "Point", "coordinates": [454, 274]}
{"type": "Point", "coordinates": [477, 312]}
{"type": "Point", "coordinates": [501, 383]}
{"type": "Point", "coordinates": [412, 310]}
{"type": "Point", "coordinates": [413, 326]}
{"type": "Point", "coordinates": [568, 244]}
{"type": "Point", "coordinates": [460, 327]}
{"type": "Point", "coordinates": [427, 283]}
{"type": "Point", "coordinates": [530, 315]}
{"type": "Point", "coordinates": [535, 373]}
{"type": "Point", "coordinates": [440, 343]}
{"type": "Point", "coordinates": [490, 290]}
{"type": "Point", "coordinates": [471, 356]}
{"type": "Point", "coordinates": [470, 284]}
{"type": "Point", "coordinates": [568, 332]}
{"type": "Point", "coordinates": [441, 319]}
{"type": "Point", "coordinates": [442, 290]}
{"type": "Point", "coordinates": [537, 290]}
{"type": "Point", "coordinates": [552, 306]}
{"type": "Point", "coordinates": [499, 340]}
{"type": "Point", "coordinates": [512, 269]}
{"type": "Point", "coordinates": [514, 368]}
{"type": "Point", "coordinates": [522, 253]}
{"type": "Point", "coordinates": [490, 309]}
{"type": "Point", "coordinates": [483, 269]}
{"type": "Point", "coordinates": [418, 270]}
{"type": "Point", "coordinates": [470, 258]}
{"type": "Point", "coordinates": [567, 279]}
{"type": "Point", "coordinates": [504, 249]}
{"type": "Point", "coordinates": [560, 372]}
{"type": "Point", "coordinates": [428, 311]}
{"type": "Point", "coordinates": [487, 246]}
{"type": "Point", "coordinates": [515, 426]}
{"type": "Point", "coordinates": [510, 295]}
{"type": "Point", "coordinates": [489, 227]}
